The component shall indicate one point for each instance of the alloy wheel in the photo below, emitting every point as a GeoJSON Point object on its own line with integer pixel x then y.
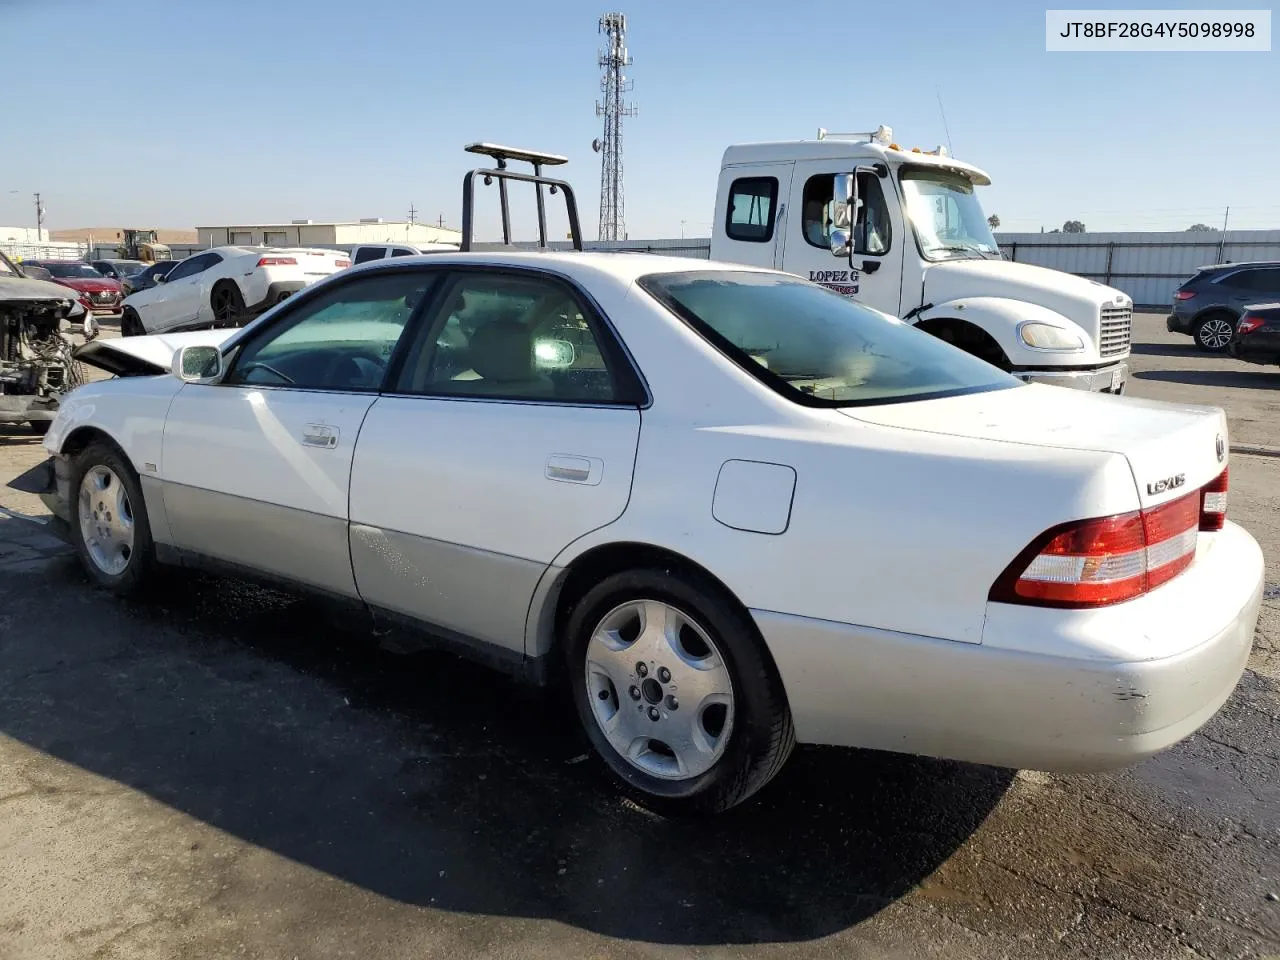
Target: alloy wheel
{"type": "Point", "coordinates": [659, 689]}
{"type": "Point", "coordinates": [106, 520]}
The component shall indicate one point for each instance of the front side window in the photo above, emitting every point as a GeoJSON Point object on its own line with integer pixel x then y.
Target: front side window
{"type": "Point", "coordinates": [7, 269]}
{"type": "Point", "coordinates": [341, 339]}
{"type": "Point", "coordinates": [752, 202]}
{"type": "Point", "coordinates": [871, 234]}
{"type": "Point", "coordinates": [945, 214]}
{"type": "Point", "coordinates": [511, 336]}
{"type": "Point", "coordinates": [816, 347]}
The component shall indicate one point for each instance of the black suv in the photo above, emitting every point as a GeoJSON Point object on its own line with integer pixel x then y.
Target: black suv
{"type": "Point", "coordinates": [1208, 305]}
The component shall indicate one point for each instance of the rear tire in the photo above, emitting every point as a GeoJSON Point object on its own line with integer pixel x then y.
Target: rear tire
{"type": "Point", "coordinates": [109, 525]}
{"type": "Point", "coordinates": [1214, 332]}
{"type": "Point", "coordinates": [131, 324]}
{"type": "Point", "coordinates": [39, 427]}
{"type": "Point", "coordinates": [676, 692]}
{"type": "Point", "coordinates": [227, 304]}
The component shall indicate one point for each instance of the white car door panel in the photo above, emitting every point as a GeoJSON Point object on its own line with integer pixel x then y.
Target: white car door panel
{"type": "Point", "coordinates": [257, 468]}
{"type": "Point", "coordinates": [260, 477]}
{"type": "Point", "coordinates": [459, 503]}
{"type": "Point", "coordinates": [458, 506]}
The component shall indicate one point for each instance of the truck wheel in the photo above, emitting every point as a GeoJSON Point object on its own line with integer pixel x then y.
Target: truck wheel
{"type": "Point", "coordinates": [131, 324]}
{"type": "Point", "coordinates": [228, 305]}
{"type": "Point", "coordinates": [676, 693]}
{"type": "Point", "coordinates": [1214, 332]}
{"type": "Point", "coordinates": [109, 527]}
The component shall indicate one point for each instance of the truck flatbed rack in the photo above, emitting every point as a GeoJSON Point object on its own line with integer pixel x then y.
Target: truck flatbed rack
{"type": "Point", "coordinates": [500, 172]}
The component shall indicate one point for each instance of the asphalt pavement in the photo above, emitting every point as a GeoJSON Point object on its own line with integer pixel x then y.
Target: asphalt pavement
{"type": "Point", "coordinates": [233, 771]}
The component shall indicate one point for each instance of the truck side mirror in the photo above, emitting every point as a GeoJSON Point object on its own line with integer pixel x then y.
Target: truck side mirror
{"type": "Point", "coordinates": [844, 205]}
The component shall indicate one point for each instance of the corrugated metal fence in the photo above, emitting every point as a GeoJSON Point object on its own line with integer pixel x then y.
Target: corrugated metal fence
{"type": "Point", "coordinates": [1146, 266]}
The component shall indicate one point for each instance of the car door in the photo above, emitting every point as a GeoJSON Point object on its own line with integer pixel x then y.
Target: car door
{"type": "Point", "coordinates": [510, 432]}
{"type": "Point", "coordinates": [256, 467]}
{"type": "Point", "coordinates": [876, 275]}
{"type": "Point", "coordinates": [1257, 285]}
{"type": "Point", "coordinates": [175, 301]}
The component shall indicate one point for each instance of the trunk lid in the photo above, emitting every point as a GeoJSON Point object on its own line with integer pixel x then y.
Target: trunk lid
{"type": "Point", "coordinates": [145, 356]}
{"type": "Point", "coordinates": [1173, 448]}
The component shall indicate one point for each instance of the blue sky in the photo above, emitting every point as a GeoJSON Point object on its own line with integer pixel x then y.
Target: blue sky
{"type": "Point", "coordinates": [332, 109]}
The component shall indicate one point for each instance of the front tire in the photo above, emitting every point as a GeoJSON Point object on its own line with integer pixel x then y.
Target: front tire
{"type": "Point", "coordinates": [676, 692]}
{"type": "Point", "coordinates": [1214, 333]}
{"type": "Point", "coordinates": [109, 525]}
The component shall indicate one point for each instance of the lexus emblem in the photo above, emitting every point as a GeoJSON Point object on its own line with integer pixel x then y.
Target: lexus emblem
{"type": "Point", "coordinates": [1220, 448]}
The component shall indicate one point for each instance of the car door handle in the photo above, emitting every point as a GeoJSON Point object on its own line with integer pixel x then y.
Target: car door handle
{"type": "Point", "coordinates": [320, 435]}
{"type": "Point", "coordinates": [573, 469]}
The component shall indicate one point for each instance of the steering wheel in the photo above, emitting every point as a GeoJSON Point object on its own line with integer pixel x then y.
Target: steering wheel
{"type": "Point", "coordinates": [356, 376]}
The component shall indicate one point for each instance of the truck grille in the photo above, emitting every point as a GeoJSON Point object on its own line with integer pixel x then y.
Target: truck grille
{"type": "Point", "coordinates": [1116, 331]}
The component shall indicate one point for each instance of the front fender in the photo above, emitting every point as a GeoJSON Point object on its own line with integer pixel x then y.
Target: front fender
{"type": "Point", "coordinates": [1000, 316]}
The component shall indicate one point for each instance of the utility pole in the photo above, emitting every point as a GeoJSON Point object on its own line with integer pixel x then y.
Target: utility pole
{"type": "Point", "coordinates": [413, 214]}
{"type": "Point", "coordinates": [39, 220]}
{"type": "Point", "coordinates": [613, 108]}
{"type": "Point", "coordinates": [1222, 244]}
{"type": "Point", "coordinates": [440, 221]}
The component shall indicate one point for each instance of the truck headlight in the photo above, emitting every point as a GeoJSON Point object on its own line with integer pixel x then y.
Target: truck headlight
{"type": "Point", "coordinates": [1044, 336]}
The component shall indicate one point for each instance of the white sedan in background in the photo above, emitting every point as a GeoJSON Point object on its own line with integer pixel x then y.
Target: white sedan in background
{"type": "Point", "coordinates": [732, 509]}
{"type": "Point", "coordinates": [225, 287]}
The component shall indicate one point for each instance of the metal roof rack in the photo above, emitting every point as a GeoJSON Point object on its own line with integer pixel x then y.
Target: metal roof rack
{"type": "Point", "coordinates": [502, 174]}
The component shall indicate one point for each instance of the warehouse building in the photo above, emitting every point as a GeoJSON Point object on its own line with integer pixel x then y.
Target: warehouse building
{"type": "Point", "coordinates": [310, 233]}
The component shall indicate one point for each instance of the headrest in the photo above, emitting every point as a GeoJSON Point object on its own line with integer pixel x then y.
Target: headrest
{"type": "Point", "coordinates": [501, 350]}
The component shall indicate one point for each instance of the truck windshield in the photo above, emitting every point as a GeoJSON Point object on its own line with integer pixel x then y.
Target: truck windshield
{"type": "Point", "coordinates": [946, 215]}
{"type": "Point", "coordinates": [817, 347]}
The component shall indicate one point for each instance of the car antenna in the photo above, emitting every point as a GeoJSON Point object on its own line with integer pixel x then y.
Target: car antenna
{"type": "Point", "coordinates": [502, 174]}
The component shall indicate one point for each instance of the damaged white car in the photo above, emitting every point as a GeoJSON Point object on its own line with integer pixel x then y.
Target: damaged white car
{"type": "Point", "coordinates": [731, 509]}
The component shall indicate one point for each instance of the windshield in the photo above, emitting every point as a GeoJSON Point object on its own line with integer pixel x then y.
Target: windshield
{"type": "Point", "coordinates": [6, 267]}
{"type": "Point", "coordinates": [946, 215]}
{"type": "Point", "coordinates": [129, 268]}
{"type": "Point", "coordinates": [79, 271]}
{"type": "Point", "coordinates": [816, 347]}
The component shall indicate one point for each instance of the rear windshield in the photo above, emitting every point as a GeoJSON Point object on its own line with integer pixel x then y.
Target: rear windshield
{"type": "Point", "coordinates": [817, 347]}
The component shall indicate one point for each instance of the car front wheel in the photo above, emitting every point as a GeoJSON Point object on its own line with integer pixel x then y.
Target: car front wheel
{"type": "Point", "coordinates": [676, 693]}
{"type": "Point", "coordinates": [109, 528]}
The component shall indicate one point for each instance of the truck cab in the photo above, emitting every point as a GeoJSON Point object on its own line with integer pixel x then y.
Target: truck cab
{"type": "Point", "coordinates": [903, 231]}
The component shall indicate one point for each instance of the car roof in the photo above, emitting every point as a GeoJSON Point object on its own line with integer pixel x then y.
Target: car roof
{"type": "Point", "coordinates": [622, 266]}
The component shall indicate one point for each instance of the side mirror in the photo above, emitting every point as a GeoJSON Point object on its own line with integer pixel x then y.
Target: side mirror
{"type": "Point", "coordinates": [197, 364]}
{"type": "Point", "coordinates": [553, 354]}
{"type": "Point", "coordinates": [160, 277]}
{"type": "Point", "coordinates": [841, 241]}
{"type": "Point", "coordinates": [844, 208]}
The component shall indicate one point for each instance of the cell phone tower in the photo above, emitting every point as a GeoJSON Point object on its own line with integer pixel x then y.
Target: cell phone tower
{"type": "Point", "coordinates": [613, 108]}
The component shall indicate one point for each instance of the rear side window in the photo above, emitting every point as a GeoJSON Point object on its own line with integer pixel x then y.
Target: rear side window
{"type": "Point", "coordinates": [752, 209]}
{"type": "Point", "coordinates": [368, 253]}
{"type": "Point", "coordinates": [1264, 280]}
{"type": "Point", "coordinates": [401, 252]}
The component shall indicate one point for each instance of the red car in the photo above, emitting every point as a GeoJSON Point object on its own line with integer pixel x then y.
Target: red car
{"type": "Point", "coordinates": [100, 296]}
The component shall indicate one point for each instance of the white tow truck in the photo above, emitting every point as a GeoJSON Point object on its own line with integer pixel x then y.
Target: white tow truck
{"type": "Point", "coordinates": [918, 247]}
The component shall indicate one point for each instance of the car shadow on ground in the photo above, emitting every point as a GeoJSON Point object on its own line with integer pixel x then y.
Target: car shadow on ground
{"type": "Point", "coordinates": [429, 780]}
{"type": "Point", "coordinates": [1188, 349]}
{"type": "Point", "coordinates": [1261, 379]}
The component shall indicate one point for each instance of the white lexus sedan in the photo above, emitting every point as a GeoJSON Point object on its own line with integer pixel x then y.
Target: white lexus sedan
{"type": "Point", "coordinates": [225, 287]}
{"type": "Point", "coordinates": [731, 509]}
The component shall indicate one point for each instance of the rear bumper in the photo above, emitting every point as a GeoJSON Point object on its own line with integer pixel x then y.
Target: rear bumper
{"type": "Point", "coordinates": [1261, 347]}
{"type": "Point", "coordinates": [1109, 379]}
{"type": "Point", "coordinates": [1177, 324]}
{"type": "Point", "coordinates": [1067, 708]}
{"type": "Point", "coordinates": [277, 291]}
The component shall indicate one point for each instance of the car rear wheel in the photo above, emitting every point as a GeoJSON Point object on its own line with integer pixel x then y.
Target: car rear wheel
{"type": "Point", "coordinates": [228, 305]}
{"type": "Point", "coordinates": [676, 693]}
{"type": "Point", "coordinates": [109, 525]}
{"type": "Point", "coordinates": [1214, 332]}
{"type": "Point", "coordinates": [131, 324]}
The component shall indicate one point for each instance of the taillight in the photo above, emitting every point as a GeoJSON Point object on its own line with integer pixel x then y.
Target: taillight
{"type": "Point", "coordinates": [277, 262]}
{"type": "Point", "coordinates": [1105, 560]}
{"type": "Point", "coordinates": [1184, 295]}
{"type": "Point", "coordinates": [1249, 323]}
{"type": "Point", "coordinates": [1213, 503]}
{"type": "Point", "coordinates": [342, 264]}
